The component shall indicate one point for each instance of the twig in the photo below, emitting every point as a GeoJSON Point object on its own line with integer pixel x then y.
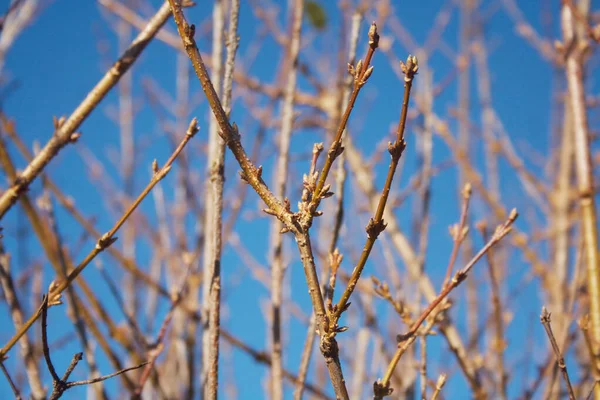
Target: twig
{"type": "Point", "coordinates": [328, 344]}
{"type": "Point", "coordinates": [45, 348]}
{"type": "Point", "coordinates": [60, 385]}
{"type": "Point", "coordinates": [229, 133]}
{"type": "Point", "coordinates": [61, 264]}
{"type": "Point", "coordinates": [361, 73]}
{"type": "Point", "coordinates": [106, 240]}
{"type": "Point", "coordinates": [340, 183]}
{"type": "Point", "coordinates": [306, 357]}
{"type": "Point", "coordinates": [65, 128]}
{"type": "Point", "coordinates": [11, 382]}
{"type": "Point", "coordinates": [461, 275]}
{"type": "Point", "coordinates": [591, 392]}
{"type": "Point", "coordinates": [584, 325]}
{"type": "Point", "coordinates": [423, 367]}
{"type": "Point", "coordinates": [560, 361]}
{"type": "Point", "coordinates": [158, 346]}
{"type": "Point", "coordinates": [382, 386]}
{"type": "Point", "coordinates": [451, 334]}
{"type": "Point", "coordinates": [376, 225]}
{"type": "Point", "coordinates": [499, 343]}
{"type": "Point", "coordinates": [458, 232]}
{"type": "Point", "coordinates": [438, 386]}
{"type": "Point", "coordinates": [27, 351]}
{"type": "Point", "coordinates": [359, 361]}
{"type": "Point", "coordinates": [68, 204]}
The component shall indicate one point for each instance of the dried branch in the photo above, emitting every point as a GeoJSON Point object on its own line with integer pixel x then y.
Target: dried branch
{"type": "Point", "coordinates": [438, 386]}
{"type": "Point", "coordinates": [11, 382]}
{"type": "Point", "coordinates": [61, 385]}
{"type": "Point", "coordinates": [361, 73]}
{"type": "Point", "coordinates": [105, 241]}
{"type": "Point", "coordinates": [158, 345]}
{"type": "Point", "coordinates": [458, 232]}
{"type": "Point", "coordinates": [560, 361]}
{"type": "Point", "coordinates": [65, 128]}
{"type": "Point", "coordinates": [376, 225]}
{"type": "Point", "coordinates": [339, 214]}
{"type": "Point", "coordinates": [229, 133]}
{"type": "Point", "coordinates": [498, 344]}
{"type": "Point", "coordinates": [382, 387]}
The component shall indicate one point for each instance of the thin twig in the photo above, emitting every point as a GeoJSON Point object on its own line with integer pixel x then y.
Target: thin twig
{"type": "Point", "coordinates": [45, 348]}
{"type": "Point", "coordinates": [560, 361]}
{"type": "Point", "coordinates": [11, 382]}
{"type": "Point", "coordinates": [60, 385]}
{"type": "Point", "coordinates": [499, 343]}
{"type": "Point", "coordinates": [382, 386]}
{"type": "Point", "coordinates": [229, 133]}
{"type": "Point", "coordinates": [400, 242]}
{"type": "Point", "coordinates": [68, 204]}
{"type": "Point", "coordinates": [105, 241]}
{"type": "Point", "coordinates": [438, 386]}
{"type": "Point", "coordinates": [158, 345]}
{"type": "Point", "coordinates": [32, 369]}
{"type": "Point", "coordinates": [65, 128]}
{"type": "Point", "coordinates": [458, 232]}
{"type": "Point", "coordinates": [361, 73]}
{"type": "Point", "coordinates": [376, 225]}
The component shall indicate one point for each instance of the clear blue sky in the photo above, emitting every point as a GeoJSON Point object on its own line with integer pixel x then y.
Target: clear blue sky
{"type": "Point", "coordinates": [56, 61]}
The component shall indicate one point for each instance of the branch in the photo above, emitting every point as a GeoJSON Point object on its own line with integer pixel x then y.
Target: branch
{"type": "Point", "coordinates": [65, 128]}
{"type": "Point", "coordinates": [560, 361]}
{"type": "Point", "coordinates": [60, 385]}
{"type": "Point", "coordinates": [159, 344]}
{"type": "Point", "coordinates": [361, 73]}
{"type": "Point", "coordinates": [11, 382]}
{"type": "Point", "coordinates": [105, 241]}
{"type": "Point", "coordinates": [382, 387]}
{"type": "Point", "coordinates": [574, 71]}
{"type": "Point", "coordinates": [376, 225]}
{"type": "Point", "coordinates": [229, 133]}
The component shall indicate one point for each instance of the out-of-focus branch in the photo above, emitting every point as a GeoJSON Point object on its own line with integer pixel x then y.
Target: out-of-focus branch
{"type": "Point", "coordinates": [575, 47]}
{"type": "Point", "coordinates": [382, 387]}
{"type": "Point", "coordinates": [280, 189]}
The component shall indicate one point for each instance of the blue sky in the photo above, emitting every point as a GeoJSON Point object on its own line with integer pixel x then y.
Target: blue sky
{"type": "Point", "coordinates": [56, 61]}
